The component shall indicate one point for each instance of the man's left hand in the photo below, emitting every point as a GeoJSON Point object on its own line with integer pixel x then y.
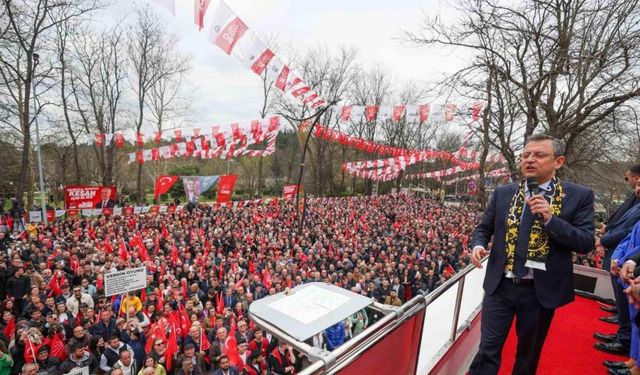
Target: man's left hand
{"type": "Point", "coordinates": [539, 205]}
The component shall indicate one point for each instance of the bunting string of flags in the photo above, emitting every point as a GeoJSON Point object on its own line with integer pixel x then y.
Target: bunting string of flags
{"type": "Point", "coordinates": [496, 173]}
{"type": "Point", "coordinates": [390, 168]}
{"type": "Point", "coordinates": [119, 139]}
{"type": "Point", "coordinates": [231, 34]}
{"type": "Point", "coordinates": [411, 113]}
{"type": "Point", "coordinates": [223, 142]}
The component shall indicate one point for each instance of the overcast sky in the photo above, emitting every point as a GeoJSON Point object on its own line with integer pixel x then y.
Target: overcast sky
{"type": "Point", "coordinates": [225, 91]}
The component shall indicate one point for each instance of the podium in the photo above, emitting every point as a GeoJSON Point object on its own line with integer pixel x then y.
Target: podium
{"type": "Point", "coordinates": [298, 314]}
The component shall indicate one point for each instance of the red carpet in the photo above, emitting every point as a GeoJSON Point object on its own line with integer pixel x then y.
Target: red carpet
{"type": "Point", "coordinates": [569, 346]}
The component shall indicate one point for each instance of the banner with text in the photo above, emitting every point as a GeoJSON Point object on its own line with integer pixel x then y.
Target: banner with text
{"type": "Point", "coordinates": [125, 281]}
{"type": "Point", "coordinates": [81, 196]}
{"type": "Point", "coordinates": [289, 191]}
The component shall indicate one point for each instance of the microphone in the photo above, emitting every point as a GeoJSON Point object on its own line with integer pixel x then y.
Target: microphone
{"type": "Point", "coordinates": [532, 185]}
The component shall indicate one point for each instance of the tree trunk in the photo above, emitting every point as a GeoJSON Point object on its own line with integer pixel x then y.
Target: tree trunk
{"type": "Point", "coordinates": [25, 172]}
{"type": "Point", "coordinates": [139, 181]}
{"type": "Point", "coordinates": [259, 190]}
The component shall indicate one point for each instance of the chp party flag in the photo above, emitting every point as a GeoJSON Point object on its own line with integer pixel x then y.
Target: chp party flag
{"type": "Point", "coordinates": [163, 184]}
{"type": "Point", "coordinates": [226, 28]}
{"type": "Point", "coordinates": [225, 188]}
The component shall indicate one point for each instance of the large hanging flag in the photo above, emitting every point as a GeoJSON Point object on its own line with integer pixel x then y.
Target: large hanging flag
{"type": "Point", "coordinates": [192, 188]}
{"type": "Point", "coordinates": [225, 188]}
{"type": "Point", "coordinates": [163, 184]}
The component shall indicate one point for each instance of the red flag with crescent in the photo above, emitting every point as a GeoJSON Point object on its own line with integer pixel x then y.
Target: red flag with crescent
{"type": "Point", "coordinates": [163, 184]}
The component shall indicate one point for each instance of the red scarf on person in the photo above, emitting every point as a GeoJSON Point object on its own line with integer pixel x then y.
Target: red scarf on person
{"type": "Point", "coordinates": [276, 354]}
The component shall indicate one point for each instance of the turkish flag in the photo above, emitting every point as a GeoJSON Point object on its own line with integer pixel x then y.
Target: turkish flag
{"type": "Point", "coordinates": [398, 111]}
{"type": "Point", "coordinates": [371, 112]}
{"type": "Point", "coordinates": [100, 140]}
{"type": "Point", "coordinates": [476, 110]}
{"type": "Point", "coordinates": [122, 250]}
{"type": "Point", "coordinates": [163, 184]}
{"type": "Point", "coordinates": [119, 140]}
{"type": "Point", "coordinates": [10, 329]}
{"type": "Point", "coordinates": [423, 112]}
{"type": "Point", "coordinates": [107, 246]}
{"type": "Point", "coordinates": [345, 113]}
{"type": "Point", "coordinates": [57, 347]}
{"type": "Point", "coordinates": [172, 348]}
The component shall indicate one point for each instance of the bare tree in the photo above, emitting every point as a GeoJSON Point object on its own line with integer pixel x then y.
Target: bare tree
{"type": "Point", "coordinates": [63, 68]}
{"type": "Point", "coordinates": [98, 86]}
{"type": "Point", "coordinates": [152, 59]}
{"type": "Point", "coordinates": [329, 76]}
{"type": "Point", "coordinates": [372, 87]}
{"type": "Point", "coordinates": [26, 29]}
{"type": "Point", "coordinates": [561, 66]}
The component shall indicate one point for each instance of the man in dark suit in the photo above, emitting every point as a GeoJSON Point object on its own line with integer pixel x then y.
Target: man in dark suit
{"type": "Point", "coordinates": [616, 229]}
{"type": "Point", "coordinates": [225, 367]}
{"type": "Point", "coordinates": [530, 270]}
{"type": "Point", "coordinates": [105, 199]}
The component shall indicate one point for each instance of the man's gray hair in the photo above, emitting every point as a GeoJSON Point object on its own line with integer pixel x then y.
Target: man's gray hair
{"type": "Point", "coordinates": [28, 366]}
{"type": "Point", "coordinates": [558, 146]}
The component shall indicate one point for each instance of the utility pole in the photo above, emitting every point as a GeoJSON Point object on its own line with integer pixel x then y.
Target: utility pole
{"type": "Point", "coordinates": [36, 60]}
{"type": "Point", "coordinates": [314, 121]}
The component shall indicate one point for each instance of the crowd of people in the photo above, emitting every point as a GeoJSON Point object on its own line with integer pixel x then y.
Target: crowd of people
{"type": "Point", "coordinates": [205, 266]}
{"type": "Point", "coordinates": [618, 244]}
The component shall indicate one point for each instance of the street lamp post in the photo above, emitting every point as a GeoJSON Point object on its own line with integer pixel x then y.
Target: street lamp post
{"type": "Point", "coordinates": [314, 122]}
{"type": "Point", "coordinates": [36, 60]}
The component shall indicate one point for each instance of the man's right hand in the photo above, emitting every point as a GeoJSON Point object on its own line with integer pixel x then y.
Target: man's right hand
{"type": "Point", "coordinates": [477, 254]}
{"type": "Point", "coordinates": [626, 272]}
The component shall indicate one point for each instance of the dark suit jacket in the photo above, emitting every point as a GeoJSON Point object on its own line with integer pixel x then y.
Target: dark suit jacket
{"type": "Point", "coordinates": [232, 371]}
{"type": "Point", "coordinates": [618, 230]}
{"type": "Point", "coordinates": [110, 204]}
{"type": "Point", "coordinates": [573, 230]}
{"type": "Point", "coordinates": [631, 201]}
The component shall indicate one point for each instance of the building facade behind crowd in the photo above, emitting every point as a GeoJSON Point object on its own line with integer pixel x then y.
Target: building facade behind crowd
{"type": "Point", "coordinates": [204, 268]}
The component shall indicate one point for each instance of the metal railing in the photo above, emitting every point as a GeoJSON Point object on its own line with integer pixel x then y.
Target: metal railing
{"type": "Point", "coordinates": [331, 362]}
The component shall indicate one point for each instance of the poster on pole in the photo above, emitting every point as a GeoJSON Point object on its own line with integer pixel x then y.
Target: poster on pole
{"type": "Point", "coordinates": [125, 281]}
